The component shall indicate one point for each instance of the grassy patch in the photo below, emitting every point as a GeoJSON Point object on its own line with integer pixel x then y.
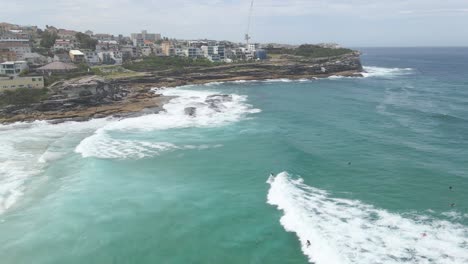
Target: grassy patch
{"type": "Point", "coordinates": [309, 51]}
{"type": "Point", "coordinates": [167, 63]}
{"type": "Point", "coordinates": [22, 96]}
{"type": "Point", "coordinates": [114, 72]}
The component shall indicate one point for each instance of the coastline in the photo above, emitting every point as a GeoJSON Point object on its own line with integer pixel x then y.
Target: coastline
{"type": "Point", "coordinates": [89, 97]}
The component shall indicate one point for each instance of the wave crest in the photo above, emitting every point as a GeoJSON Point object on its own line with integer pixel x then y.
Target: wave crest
{"type": "Point", "coordinates": [349, 231]}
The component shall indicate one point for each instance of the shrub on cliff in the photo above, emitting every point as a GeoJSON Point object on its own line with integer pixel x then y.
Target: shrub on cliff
{"type": "Point", "coordinates": [165, 63]}
{"type": "Point", "coordinates": [310, 51]}
{"type": "Point", "coordinates": [22, 96]}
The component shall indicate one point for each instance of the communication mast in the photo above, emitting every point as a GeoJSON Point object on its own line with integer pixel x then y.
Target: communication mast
{"type": "Point", "coordinates": [247, 36]}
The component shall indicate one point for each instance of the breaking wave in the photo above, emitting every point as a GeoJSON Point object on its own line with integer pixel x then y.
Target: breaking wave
{"type": "Point", "coordinates": [372, 71]}
{"type": "Point", "coordinates": [343, 231]}
{"type": "Point", "coordinates": [28, 148]}
{"type": "Point", "coordinates": [207, 109]}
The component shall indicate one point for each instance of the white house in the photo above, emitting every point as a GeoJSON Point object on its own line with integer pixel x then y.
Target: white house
{"type": "Point", "coordinates": [13, 68]}
{"type": "Point", "coordinates": [63, 44]}
{"type": "Point", "coordinates": [91, 57]}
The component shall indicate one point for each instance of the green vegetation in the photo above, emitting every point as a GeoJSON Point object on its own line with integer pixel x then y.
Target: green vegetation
{"type": "Point", "coordinates": [309, 51]}
{"type": "Point", "coordinates": [114, 72]}
{"type": "Point", "coordinates": [82, 70]}
{"type": "Point", "coordinates": [48, 39]}
{"type": "Point", "coordinates": [22, 96]}
{"type": "Point", "coordinates": [165, 63]}
{"type": "Point", "coordinates": [86, 42]}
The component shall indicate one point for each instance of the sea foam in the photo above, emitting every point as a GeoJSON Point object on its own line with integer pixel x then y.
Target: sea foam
{"type": "Point", "coordinates": [372, 71]}
{"type": "Point", "coordinates": [343, 231]}
{"type": "Point", "coordinates": [208, 114]}
{"type": "Point", "coordinates": [28, 148]}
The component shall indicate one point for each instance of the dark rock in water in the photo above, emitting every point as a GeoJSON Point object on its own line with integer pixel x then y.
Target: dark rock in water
{"type": "Point", "coordinates": [215, 101]}
{"type": "Point", "coordinates": [191, 111]}
{"type": "Point", "coordinates": [219, 98]}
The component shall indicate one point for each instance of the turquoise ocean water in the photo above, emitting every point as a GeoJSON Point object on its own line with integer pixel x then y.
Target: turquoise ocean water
{"type": "Point", "coordinates": [362, 168]}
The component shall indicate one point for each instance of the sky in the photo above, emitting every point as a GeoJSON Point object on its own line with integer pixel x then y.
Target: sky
{"type": "Point", "coordinates": [353, 23]}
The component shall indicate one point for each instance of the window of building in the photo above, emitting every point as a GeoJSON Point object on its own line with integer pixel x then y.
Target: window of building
{"type": "Point", "coordinates": [33, 79]}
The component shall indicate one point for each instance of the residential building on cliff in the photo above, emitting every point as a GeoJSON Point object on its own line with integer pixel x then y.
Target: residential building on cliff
{"type": "Point", "coordinates": [138, 39]}
{"type": "Point", "coordinates": [13, 68]}
{"type": "Point", "coordinates": [7, 83]}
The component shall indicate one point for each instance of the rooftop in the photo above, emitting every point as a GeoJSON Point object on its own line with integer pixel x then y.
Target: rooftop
{"type": "Point", "coordinates": [76, 53]}
{"type": "Point", "coordinates": [57, 66]}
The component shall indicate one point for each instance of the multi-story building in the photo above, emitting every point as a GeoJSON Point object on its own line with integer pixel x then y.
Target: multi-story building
{"type": "Point", "coordinates": [91, 57]}
{"type": "Point", "coordinates": [76, 56]}
{"type": "Point", "coordinates": [35, 58]}
{"type": "Point", "coordinates": [13, 68]}
{"type": "Point", "coordinates": [138, 39]}
{"type": "Point", "coordinates": [7, 55]}
{"type": "Point", "coordinates": [107, 45]}
{"type": "Point", "coordinates": [146, 51]}
{"type": "Point", "coordinates": [63, 45]}
{"type": "Point", "coordinates": [110, 57]}
{"type": "Point", "coordinates": [7, 83]}
{"type": "Point", "coordinates": [167, 48]}
{"type": "Point", "coordinates": [19, 48]}
{"type": "Point", "coordinates": [66, 34]}
{"type": "Point", "coordinates": [193, 52]}
{"type": "Point", "coordinates": [62, 57]}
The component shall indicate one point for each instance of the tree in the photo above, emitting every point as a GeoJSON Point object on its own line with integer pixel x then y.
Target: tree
{"type": "Point", "coordinates": [86, 42]}
{"type": "Point", "coordinates": [48, 39]}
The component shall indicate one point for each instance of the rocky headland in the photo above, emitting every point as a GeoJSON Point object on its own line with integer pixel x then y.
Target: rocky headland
{"type": "Point", "coordinates": [95, 96]}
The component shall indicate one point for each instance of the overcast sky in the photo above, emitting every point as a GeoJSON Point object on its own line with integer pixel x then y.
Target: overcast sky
{"type": "Point", "coordinates": [348, 22]}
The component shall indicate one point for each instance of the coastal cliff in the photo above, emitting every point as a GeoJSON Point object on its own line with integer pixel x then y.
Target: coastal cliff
{"type": "Point", "coordinates": [95, 96]}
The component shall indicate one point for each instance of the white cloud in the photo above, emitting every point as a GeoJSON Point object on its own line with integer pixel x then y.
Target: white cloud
{"type": "Point", "coordinates": [348, 21]}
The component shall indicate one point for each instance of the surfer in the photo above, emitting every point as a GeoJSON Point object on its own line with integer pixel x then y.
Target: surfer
{"type": "Point", "coordinates": [308, 243]}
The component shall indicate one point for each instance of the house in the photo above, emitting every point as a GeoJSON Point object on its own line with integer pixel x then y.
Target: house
{"type": "Point", "coordinates": [7, 83]}
{"type": "Point", "coordinates": [17, 47]}
{"type": "Point", "coordinates": [76, 56]}
{"type": "Point", "coordinates": [13, 68]}
{"type": "Point", "coordinates": [139, 39]}
{"type": "Point", "coordinates": [107, 45]}
{"type": "Point", "coordinates": [167, 48]}
{"type": "Point", "coordinates": [103, 37]}
{"type": "Point", "coordinates": [66, 34]}
{"type": "Point", "coordinates": [63, 45]}
{"type": "Point", "coordinates": [110, 57]}
{"type": "Point", "coordinates": [6, 55]}
{"type": "Point", "coordinates": [91, 57]}
{"type": "Point", "coordinates": [193, 52]}
{"type": "Point", "coordinates": [128, 51]}
{"type": "Point", "coordinates": [146, 51]}
{"type": "Point", "coordinates": [56, 67]}
{"type": "Point", "coordinates": [260, 54]}
{"type": "Point", "coordinates": [35, 58]}
{"type": "Point", "coordinates": [62, 57]}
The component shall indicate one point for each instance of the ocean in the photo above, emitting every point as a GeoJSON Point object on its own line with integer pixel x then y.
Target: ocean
{"type": "Point", "coordinates": [338, 170]}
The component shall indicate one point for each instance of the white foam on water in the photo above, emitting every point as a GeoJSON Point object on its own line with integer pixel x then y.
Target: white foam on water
{"type": "Point", "coordinates": [28, 148]}
{"type": "Point", "coordinates": [372, 71]}
{"type": "Point", "coordinates": [210, 112]}
{"type": "Point", "coordinates": [278, 80]}
{"type": "Point", "coordinates": [343, 231]}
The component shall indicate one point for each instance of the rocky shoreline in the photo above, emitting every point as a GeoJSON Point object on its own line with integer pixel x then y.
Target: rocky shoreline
{"type": "Point", "coordinates": [90, 97]}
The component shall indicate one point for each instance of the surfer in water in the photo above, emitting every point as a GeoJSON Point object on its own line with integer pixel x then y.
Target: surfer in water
{"type": "Point", "coordinates": [308, 243]}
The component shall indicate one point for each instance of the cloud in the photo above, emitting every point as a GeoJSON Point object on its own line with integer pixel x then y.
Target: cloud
{"type": "Point", "coordinates": [435, 11]}
{"type": "Point", "coordinates": [347, 21]}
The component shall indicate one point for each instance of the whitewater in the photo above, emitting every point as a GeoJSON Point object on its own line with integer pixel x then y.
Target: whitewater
{"type": "Point", "coordinates": [349, 231]}
{"type": "Point", "coordinates": [369, 170]}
